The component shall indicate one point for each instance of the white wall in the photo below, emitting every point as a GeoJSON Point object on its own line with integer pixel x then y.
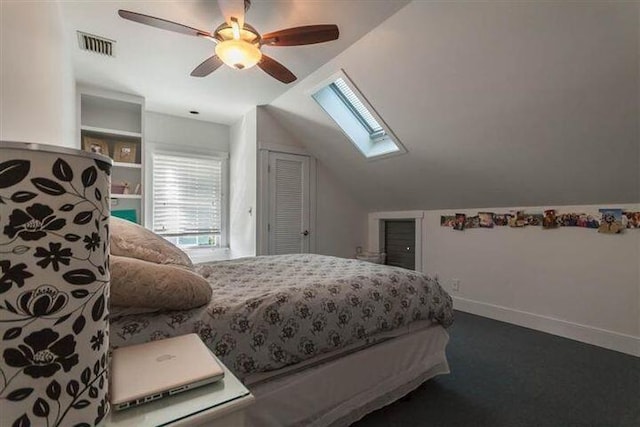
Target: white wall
{"type": "Point", "coordinates": [498, 103]}
{"type": "Point", "coordinates": [187, 134]}
{"type": "Point", "coordinates": [37, 86]}
{"type": "Point", "coordinates": [571, 281]}
{"type": "Point", "coordinates": [341, 222]}
{"type": "Point", "coordinates": [243, 165]}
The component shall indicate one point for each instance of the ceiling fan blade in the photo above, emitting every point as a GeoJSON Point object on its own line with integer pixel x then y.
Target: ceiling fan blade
{"type": "Point", "coordinates": [207, 67]}
{"type": "Point", "coordinates": [297, 36]}
{"type": "Point", "coordinates": [162, 24]}
{"type": "Point", "coordinates": [234, 9]}
{"type": "Point", "coordinates": [276, 69]}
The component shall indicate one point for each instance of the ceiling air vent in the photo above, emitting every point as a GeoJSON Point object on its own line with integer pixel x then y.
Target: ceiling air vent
{"type": "Point", "coordinates": [96, 44]}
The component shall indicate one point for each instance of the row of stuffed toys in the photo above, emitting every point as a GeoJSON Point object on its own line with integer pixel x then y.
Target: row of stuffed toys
{"type": "Point", "coordinates": [611, 220]}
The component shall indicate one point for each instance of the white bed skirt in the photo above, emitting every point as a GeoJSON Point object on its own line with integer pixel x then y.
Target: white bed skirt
{"type": "Point", "coordinates": [342, 391]}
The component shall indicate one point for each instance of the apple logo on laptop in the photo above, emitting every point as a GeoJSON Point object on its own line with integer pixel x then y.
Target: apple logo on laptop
{"type": "Point", "coordinates": [165, 357]}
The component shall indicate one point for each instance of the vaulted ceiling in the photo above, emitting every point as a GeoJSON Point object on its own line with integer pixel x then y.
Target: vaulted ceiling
{"type": "Point", "coordinates": [497, 103]}
{"type": "Point", "coordinates": [156, 64]}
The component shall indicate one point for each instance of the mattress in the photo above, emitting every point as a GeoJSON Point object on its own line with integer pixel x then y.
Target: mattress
{"type": "Point", "coordinates": [271, 312]}
{"type": "Point", "coordinates": [261, 377]}
{"type": "Point", "coordinates": [342, 391]}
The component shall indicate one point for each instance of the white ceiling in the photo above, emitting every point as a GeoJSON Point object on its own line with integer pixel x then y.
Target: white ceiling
{"type": "Point", "coordinates": [497, 103]}
{"type": "Point", "coordinates": [156, 64]}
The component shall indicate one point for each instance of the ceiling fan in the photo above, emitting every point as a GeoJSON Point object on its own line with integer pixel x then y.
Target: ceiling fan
{"type": "Point", "coordinates": [238, 44]}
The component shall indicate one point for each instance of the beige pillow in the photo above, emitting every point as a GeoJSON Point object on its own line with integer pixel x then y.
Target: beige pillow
{"type": "Point", "coordinates": [138, 283]}
{"type": "Point", "coordinates": [134, 241]}
{"type": "Point", "coordinates": [117, 311]}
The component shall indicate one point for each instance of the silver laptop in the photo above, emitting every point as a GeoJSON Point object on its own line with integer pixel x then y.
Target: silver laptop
{"type": "Point", "coordinates": [146, 372]}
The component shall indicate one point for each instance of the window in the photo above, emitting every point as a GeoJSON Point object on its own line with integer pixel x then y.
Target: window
{"type": "Point", "coordinates": [188, 199]}
{"type": "Point", "coordinates": [342, 101]}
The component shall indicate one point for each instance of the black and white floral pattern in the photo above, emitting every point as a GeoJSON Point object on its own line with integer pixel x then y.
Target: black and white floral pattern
{"type": "Point", "coordinates": [270, 312]}
{"type": "Point", "coordinates": [54, 276]}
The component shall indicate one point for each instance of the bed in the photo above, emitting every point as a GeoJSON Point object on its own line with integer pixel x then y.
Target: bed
{"type": "Point", "coordinates": [319, 340]}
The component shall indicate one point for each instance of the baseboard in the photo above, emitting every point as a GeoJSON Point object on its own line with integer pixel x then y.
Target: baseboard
{"type": "Point", "coordinates": [601, 337]}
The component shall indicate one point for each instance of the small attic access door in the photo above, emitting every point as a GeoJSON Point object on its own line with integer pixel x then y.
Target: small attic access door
{"type": "Point", "coordinates": [400, 235]}
{"type": "Point", "coordinates": [400, 243]}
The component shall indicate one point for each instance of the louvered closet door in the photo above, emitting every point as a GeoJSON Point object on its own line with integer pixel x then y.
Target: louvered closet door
{"type": "Point", "coordinates": [288, 225]}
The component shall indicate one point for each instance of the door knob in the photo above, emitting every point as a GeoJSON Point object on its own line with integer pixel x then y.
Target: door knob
{"type": "Point", "coordinates": [305, 233]}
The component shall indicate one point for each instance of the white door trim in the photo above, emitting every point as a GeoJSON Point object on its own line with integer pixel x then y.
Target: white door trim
{"type": "Point", "coordinates": [262, 204]}
{"type": "Point", "coordinates": [283, 148]}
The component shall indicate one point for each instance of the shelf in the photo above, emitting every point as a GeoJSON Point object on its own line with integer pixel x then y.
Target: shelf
{"type": "Point", "coordinates": [126, 196]}
{"type": "Point", "coordinates": [127, 165]}
{"type": "Point", "coordinates": [112, 132]}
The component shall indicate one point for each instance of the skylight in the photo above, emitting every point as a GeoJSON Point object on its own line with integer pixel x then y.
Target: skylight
{"type": "Point", "coordinates": [342, 101]}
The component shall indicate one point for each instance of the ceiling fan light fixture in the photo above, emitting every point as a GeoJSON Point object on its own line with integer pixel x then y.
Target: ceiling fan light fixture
{"type": "Point", "coordinates": [239, 44]}
{"type": "Point", "coordinates": [238, 54]}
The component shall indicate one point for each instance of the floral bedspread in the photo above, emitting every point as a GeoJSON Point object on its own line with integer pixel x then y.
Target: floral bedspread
{"type": "Point", "coordinates": [273, 311]}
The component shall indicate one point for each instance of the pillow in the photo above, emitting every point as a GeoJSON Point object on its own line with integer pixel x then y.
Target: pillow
{"type": "Point", "coordinates": [134, 241]}
{"type": "Point", "coordinates": [117, 311]}
{"type": "Point", "coordinates": [138, 283]}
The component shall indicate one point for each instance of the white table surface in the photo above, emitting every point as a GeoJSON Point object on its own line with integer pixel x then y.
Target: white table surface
{"type": "Point", "coordinates": [222, 396]}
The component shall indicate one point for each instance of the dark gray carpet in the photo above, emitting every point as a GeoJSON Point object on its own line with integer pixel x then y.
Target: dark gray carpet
{"type": "Point", "coordinates": [505, 375]}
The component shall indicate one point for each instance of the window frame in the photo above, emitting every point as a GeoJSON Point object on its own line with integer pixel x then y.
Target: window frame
{"type": "Point", "coordinates": [374, 137]}
{"type": "Point", "coordinates": [224, 219]}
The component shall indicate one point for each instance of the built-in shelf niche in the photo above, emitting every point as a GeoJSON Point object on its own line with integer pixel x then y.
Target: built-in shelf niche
{"type": "Point", "coordinates": [111, 113]}
{"type": "Point", "coordinates": [115, 118]}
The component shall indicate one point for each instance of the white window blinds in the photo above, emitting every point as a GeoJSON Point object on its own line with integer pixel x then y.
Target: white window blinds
{"type": "Point", "coordinates": [187, 195]}
{"type": "Point", "coordinates": [358, 108]}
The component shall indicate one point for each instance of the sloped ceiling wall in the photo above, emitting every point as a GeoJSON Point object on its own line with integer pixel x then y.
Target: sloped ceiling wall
{"type": "Point", "coordinates": [498, 104]}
